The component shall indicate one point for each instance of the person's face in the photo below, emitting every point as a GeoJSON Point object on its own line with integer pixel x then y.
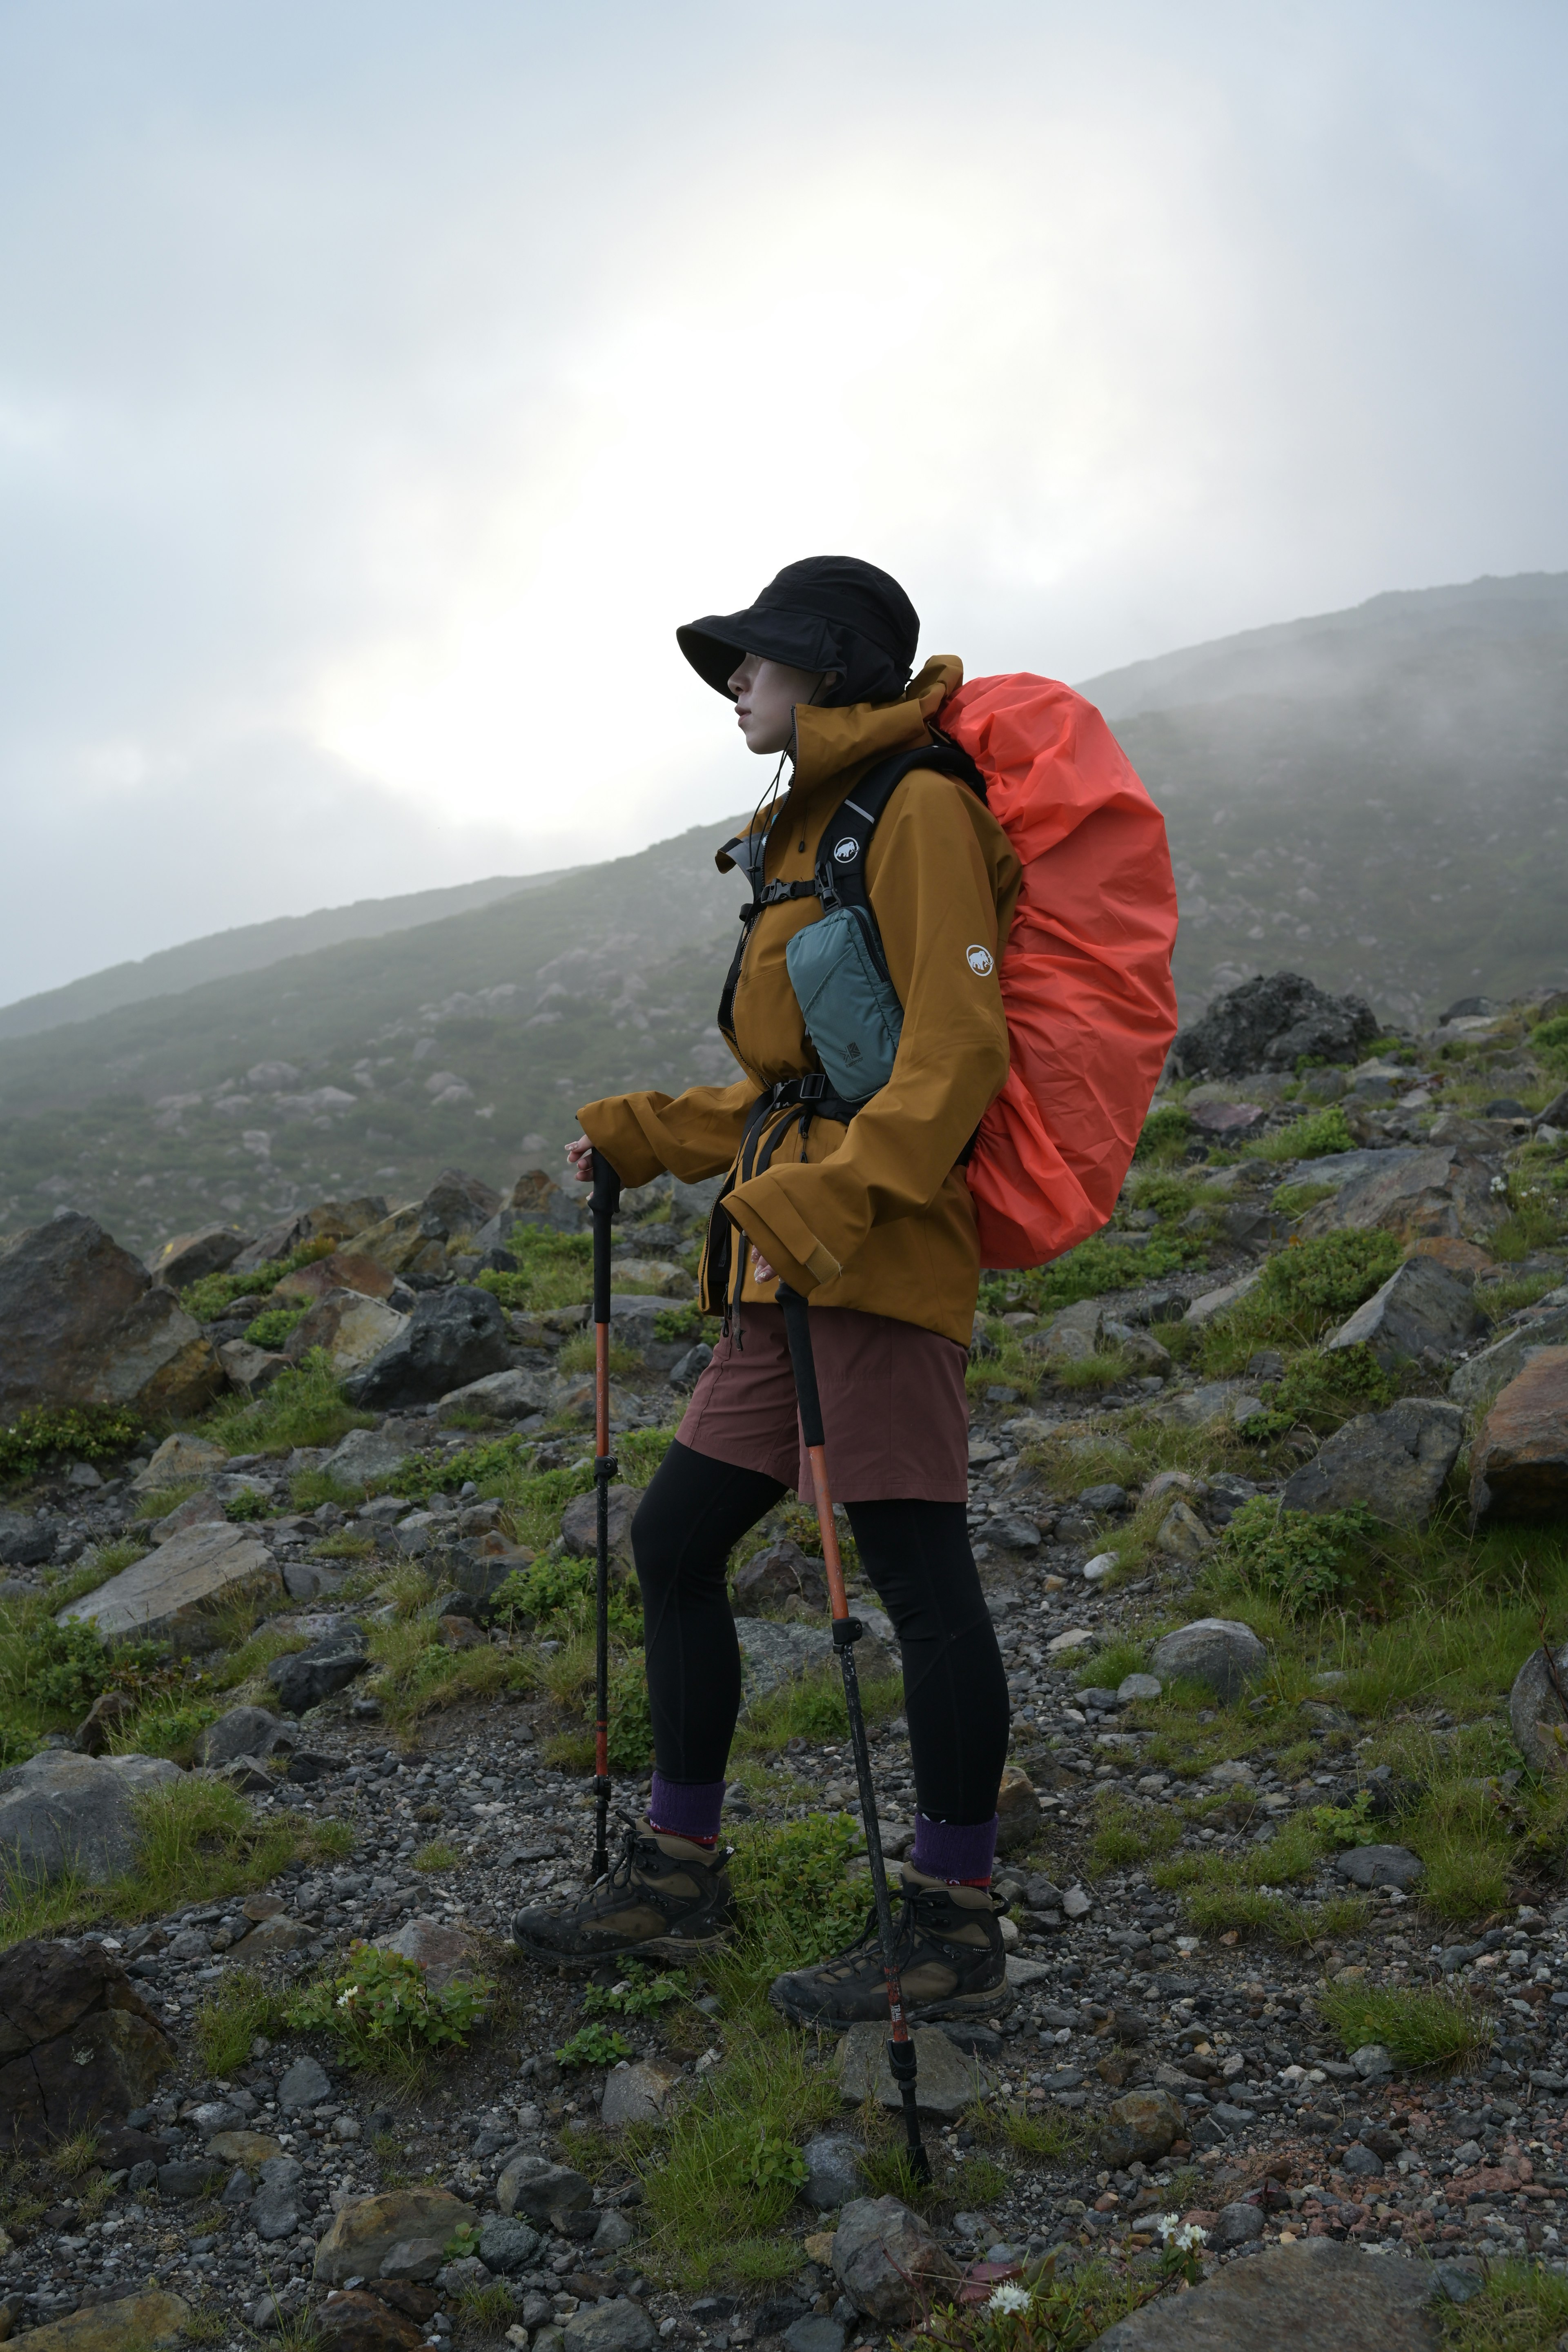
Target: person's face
{"type": "Point", "coordinates": [765, 696]}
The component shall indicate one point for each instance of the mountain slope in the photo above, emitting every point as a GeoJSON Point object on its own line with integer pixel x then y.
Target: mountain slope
{"type": "Point", "coordinates": [1378, 799]}
{"type": "Point", "coordinates": [250, 946]}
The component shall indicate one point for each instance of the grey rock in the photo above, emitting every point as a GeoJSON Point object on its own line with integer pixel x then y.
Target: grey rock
{"type": "Point", "coordinates": [634, 2094]}
{"type": "Point", "coordinates": [1108, 1497]}
{"type": "Point", "coordinates": [887, 2262]}
{"type": "Point", "coordinates": [84, 1325]}
{"type": "Point", "coordinates": [1380, 1865]}
{"type": "Point", "coordinates": [1141, 2127]}
{"type": "Point", "coordinates": [946, 2081]}
{"type": "Point", "coordinates": [689, 1369]}
{"type": "Point", "coordinates": [1423, 1305]}
{"type": "Point", "coordinates": [1497, 1364]}
{"type": "Point", "coordinates": [1361, 2162]}
{"type": "Point", "coordinates": [817, 2333]}
{"type": "Point", "coordinates": [25, 1542]}
{"type": "Point", "coordinates": [580, 1522]}
{"type": "Point", "coordinates": [1433, 1190]}
{"type": "Point", "coordinates": [463, 2275]}
{"type": "Point", "coordinates": [772, 1653]}
{"type": "Point", "coordinates": [415, 2258]}
{"type": "Point", "coordinates": [368, 1457]}
{"type": "Point", "coordinates": [305, 2083]}
{"type": "Point", "coordinates": [833, 2176]}
{"type": "Point", "coordinates": [1395, 1462]}
{"type": "Point", "coordinates": [191, 1258]}
{"type": "Point", "coordinates": [617, 2326]}
{"type": "Point", "coordinates": [1269, 1023]}
{"type": "Point", "coordinates": [1237, 2225]}
{"type": "Point", "coordinates": [540, 2191]}
{"type": "Point", "coordinates": [172, 1594]}
{"type": "Point", "coordinates": [1372, 2061]}
{"type": "Point", "coordinates": [191, 1944]}
{"type": "Point", "coordinates": [1136, 1686]}
{"type": "Point", "coordinates": [1315, 2295]}
{"type": "Point", "coordinates": [1232, 1401]}
{"type": "Point", "coordinates": [243, 1731]}
{"type": "Point", "coordinates": [1536, 1715]}
{"type": "Point", "coordinates": [504, 1396]}
{"type": "Point", "coordinates": [188, 2177]}
{"type": "Point", "coordinates": [62, 1813]}
{"type": "Point", "coordinates": [274, 2213]}
{"type": "Point", "coordinates": [777, 1575]}
{"type": "Point", "coordinates": [614, 2233]}
{"type": "Point", "coordinates": [304, 1678]}
{"type": "Point", "coordinates": [452, 1338]}
{"type": "Point", "coordinates": [237, 2190]}
{"type": "Point", "coordinates": [1217, 1650]}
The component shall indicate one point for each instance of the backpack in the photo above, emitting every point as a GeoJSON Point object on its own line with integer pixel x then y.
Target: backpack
{"type": "Point", "coordinates": [1084, 972]}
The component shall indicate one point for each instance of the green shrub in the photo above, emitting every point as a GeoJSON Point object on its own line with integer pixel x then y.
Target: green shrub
{"type": "Point", "coordinates": [1295, 1199]}
{"type": "Point", "coordinates": [1100, 1263]}
{"type": "Point", "coordinates": [1301, 1559]}
{"type": "Point", "coordinates": [1164, 1135]}
{"type": "Point", "coordinates": [1312, 1138]}
{"type": "Point", "coordinates": [88, 1433]}
{"type": "Point", "coordinates": [553, 1270]}
{"type": "Point", "coordinates": [1323, 1388]}
{"type": "Point", "coordinates": [226, 2027]}
{"type": "Point", "coordinates": [631, 1716]}
{"type": "Point", "coordinates": [639, 1993]}
{"type": "Point", "coordinates": [271, 1328]}
{"type": "Point", "coordinates": [794, 1902]}
{"type": "Point", "coordinates": [304, 1406]}
{"type": "Point", "coordinates": [380, 2004]}
{"type": "Point", "coordinates": [1548, 1042]}
{"type": "Point", "coordinates": [592, 2045]}
{"type": "Point", "coordinates": [211, 1296]}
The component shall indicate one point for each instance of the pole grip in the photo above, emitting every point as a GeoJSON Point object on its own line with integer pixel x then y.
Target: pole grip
{"type": "Point", "coordinates": [797, 1330]}
{"type": "Point", "coordinates": [605, 1200]}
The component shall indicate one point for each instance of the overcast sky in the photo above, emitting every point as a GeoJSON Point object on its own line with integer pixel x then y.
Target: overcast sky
{"type": "Point", "coordinates": [381, 384]}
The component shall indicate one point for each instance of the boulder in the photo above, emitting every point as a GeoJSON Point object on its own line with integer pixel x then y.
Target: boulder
{"type": "Point", "coordinates": [773, 1654]}
{"type": "Point", "coordinates": [25, 1541]}
{"type": "Point", "coordinates": [1140, 2127]}
{"type": "Point", "coordinates": [202, 1510]}
{"type": "Point", "coordinates": [1212, 1401]}
{"type": "Point", "coordinates": [1071, 1335]}
{"type": "Point", "coordinates": [1380, 1865]}
{"type": "Point", "coordinates": [329, 1221]}
{"type": "Point", "coordinates": [1237, 2225]}
{"type": "Point", "coordinates": [1269, 1023]}
{"type": "Point", "coordinates": [453, 1337]}
{"type": "Point", "coordinates": [1217, 1650]}
{"type": "Point", "coordinates": [444, 1953]}
{"type": "Point", "coordinates": [616, 2325]}
{"type": "Point", "coordinates": [505, 2244]}
{"type": "Point", "coordinates": [1422, 1307]}
{"type": "Point", "coordinates": [343, 1270]}
{"type": "Point", "coordinates": [1395, 1463]}
{"type": "Point", "coordinates": [243, 1731]}
{"type": "Point", "coordinates": [501, 1396]}
{"type": "Point", "coordinates": [369, 2230]}
{"type": "Point", "coordinates": [776, 1576]}
{"type": "Point", "coordinates": [888, 2264]}
{"type": "Point", "coordinates": [460, 1203]}
{"type": "Point", "coordinates": [357, 2321]}
{"type": "Point", "coordinates": [352, 1329]}
{"type": "Point", "coordinates": [171, 1594]}
{"type": "Point", "coordinates": [1538, 1711]}
{"type": "Point", "coordinates": [62, 1814]}
{"type": "Point", "coordinates": [250, 1370]}
{"type": "Point", "coordinates": [150, 2322]}
{"type": "Point", "coordinates": [305, 1677]}
{"type": "Point", "coordinates": [580, 1520]}
{"type": "Point", "coordinates": [635, 2094]}
{"type": "Point", "coordinates": [1315, 2295]}
{"type": "Point", "coordinates": [1519, 1461]}
{"type": "Point", "coordinates": [543, 2193]}
{"type": "Point", "coordinates": [84, 1325]}
{"type": "Point", "coordinates": [190, 1257]}
{"type": "Point", "coordinates": [1210, 1305]}
{"type": "Point", "coordinates": [405, 1241]}
{"type": "Point", "coordinates": [368, 1457]}
{"type": "Point", "coordinates": [834, 2166]}
{"type": "Point", "coordinates": [1018, 1813]}
{"type": "Point", "coordinates": [58, 2000]}
{"type": "Point", "coordinates": [178, 1460]}
{"type": "Point", "coordinates": [1181, 1533]}
{"type": "Point", "coordinates": [1488, 1371]}
{"type": "Point", "coordinates": [536, 1199]}
{"type": "Point", "coordinates": [1418, 1193]}
{"type": "Point", "coordinates": [946, 2082]}
{"type": "Point", "coordinates": [103, 1717]}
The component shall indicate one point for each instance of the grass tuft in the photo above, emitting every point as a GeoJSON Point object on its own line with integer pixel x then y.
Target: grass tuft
{"type": "Point", "coordinates": [1419, 2029]}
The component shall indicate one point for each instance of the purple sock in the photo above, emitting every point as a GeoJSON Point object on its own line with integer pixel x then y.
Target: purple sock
{"type": "Point", "coordinates": [686, 1808]}
{"type": "Point", "coordinates": [960, 1852]}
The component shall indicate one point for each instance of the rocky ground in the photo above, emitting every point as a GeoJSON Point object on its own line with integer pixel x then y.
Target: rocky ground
{"type": "Point", "coordinates": [1288, 1956]}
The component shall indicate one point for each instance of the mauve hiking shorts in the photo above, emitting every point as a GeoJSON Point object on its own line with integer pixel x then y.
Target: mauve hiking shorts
{"type": "Point", "coordinates": [894, 1410]}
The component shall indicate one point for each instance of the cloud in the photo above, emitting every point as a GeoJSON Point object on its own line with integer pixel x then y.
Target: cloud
{"type": "Point", "coordinates": [381, 387]}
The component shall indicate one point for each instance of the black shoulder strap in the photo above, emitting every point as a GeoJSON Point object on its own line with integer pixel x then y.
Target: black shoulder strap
{"type": "Point", "coordinates": [840, 879]}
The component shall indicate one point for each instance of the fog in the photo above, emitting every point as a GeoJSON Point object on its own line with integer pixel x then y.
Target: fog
{"type": "Point", "coordinates": [380, 386]}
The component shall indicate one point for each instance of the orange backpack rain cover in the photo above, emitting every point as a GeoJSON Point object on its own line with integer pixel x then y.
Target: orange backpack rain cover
{"type": "Point", "coordinates": [1086, 969]}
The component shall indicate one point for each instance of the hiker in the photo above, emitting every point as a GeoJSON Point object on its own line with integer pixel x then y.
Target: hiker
{"type": "Point", "coordinates": [864, 1209]}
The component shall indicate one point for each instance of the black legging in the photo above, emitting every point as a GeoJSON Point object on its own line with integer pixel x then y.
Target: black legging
{"type": "Point", "coordinates": [918, 1557]}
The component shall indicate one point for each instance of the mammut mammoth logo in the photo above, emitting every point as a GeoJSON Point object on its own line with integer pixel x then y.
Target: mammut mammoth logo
{"type": "Point", "coordinates": [979, 960]}
{"type": "Point", "coordinates": [847, 851]}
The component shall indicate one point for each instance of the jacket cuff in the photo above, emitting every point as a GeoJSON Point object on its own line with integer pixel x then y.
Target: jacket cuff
{"type": "Point", "coordinates": [612, 1127]}
{"type": "Point", "coordinates": [772, 1223]}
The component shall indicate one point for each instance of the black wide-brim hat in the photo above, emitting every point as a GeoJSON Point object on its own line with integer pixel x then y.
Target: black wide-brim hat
{"type": "Point", "coordinates": [826, 612]}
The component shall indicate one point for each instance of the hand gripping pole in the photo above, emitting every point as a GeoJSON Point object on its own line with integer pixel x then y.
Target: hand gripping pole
{"type": "Point", "coordinates": [847, 1632]}
{"type": "Point", "coordinates": [603, 1203]}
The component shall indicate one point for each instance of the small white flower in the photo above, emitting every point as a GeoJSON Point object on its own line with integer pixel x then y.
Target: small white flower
{"type": "Point", "coordinates": [1190, 2238]}
{"type": "Point", "coordinates": [1008, 2297]}
{"type": "Point", "coordinates": [1168, 2224]}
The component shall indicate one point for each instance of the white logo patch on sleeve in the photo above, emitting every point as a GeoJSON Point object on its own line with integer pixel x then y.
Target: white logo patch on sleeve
{"type": "Point", "coordinates": [979, 960]}
{"type": "Point", "coordinates": [847, 851]}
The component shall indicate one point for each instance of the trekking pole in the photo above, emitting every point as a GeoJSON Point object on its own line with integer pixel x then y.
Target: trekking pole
{"type": "Point", "coordinates": [605, 1199]}
{"type": "Point", "coordinates": [847, 1632]}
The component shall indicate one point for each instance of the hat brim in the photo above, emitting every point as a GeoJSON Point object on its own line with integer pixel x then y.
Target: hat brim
{"type": "Point", "coordinates": [716, 644]}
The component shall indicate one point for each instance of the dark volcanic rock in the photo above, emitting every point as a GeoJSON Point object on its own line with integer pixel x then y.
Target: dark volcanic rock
{"type": "Point", "coordinates": [1518, 1463]}
{"type": "Point", "coordinates": [1269, 1023]}
{"type": "Point", "coordinates": [453, 1337]}
{"type": "Point", "coordinates": [25, 1542]}
{"type": "Point", "coordinates": [1394, 1461]}
{"type": "Point", "coordinates": [307, 1677]}
{"type": "Point", "coordinates": [58, 2001]}
{"type": "Point", "coordinates": [1314, 2295]}
{"type": "Point", "coordinates": [84, 1325]}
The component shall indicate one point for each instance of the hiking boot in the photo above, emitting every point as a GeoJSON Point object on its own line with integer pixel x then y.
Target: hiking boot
{"type": "Point", "coordinates": [951, 1960]}
{"type": "Point", "coordinates": [663, 1895]}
